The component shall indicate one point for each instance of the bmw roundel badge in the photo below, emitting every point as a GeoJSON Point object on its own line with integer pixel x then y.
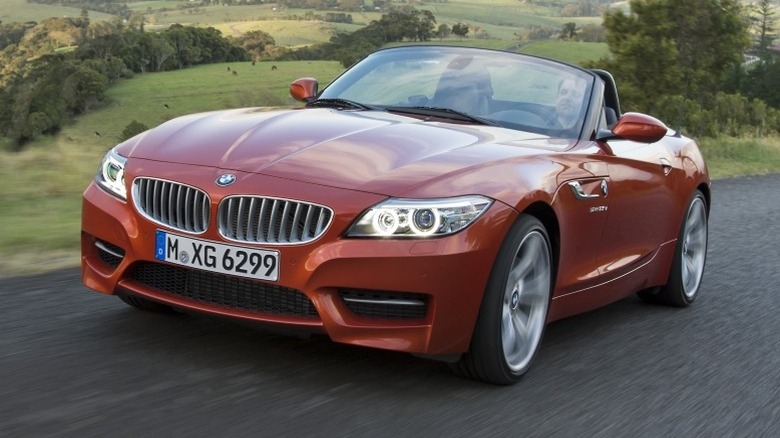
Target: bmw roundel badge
{"type": "Point", "coordinates": [226, 179]}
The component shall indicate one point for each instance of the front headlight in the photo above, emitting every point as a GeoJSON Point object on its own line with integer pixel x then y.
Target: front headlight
{"type": "Point", "coordinates": [111, 174]}
{"type": "Point", "coordinates": [419, 217]}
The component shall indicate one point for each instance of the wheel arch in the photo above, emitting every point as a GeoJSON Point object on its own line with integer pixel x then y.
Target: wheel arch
{"type": "Point", "coordinates": [546, 215]}
{"type": "Point", "coordinates": [705, 189]}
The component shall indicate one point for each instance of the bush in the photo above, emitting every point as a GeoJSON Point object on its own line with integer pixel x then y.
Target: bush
{"type": "Point", "coordinates": [132, 129]}
{"type": "Point", "coordinates": [731, 115]}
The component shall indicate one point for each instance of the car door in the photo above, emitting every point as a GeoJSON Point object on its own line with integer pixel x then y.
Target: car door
{"type": "Point", "coordinates": [641, 204]}
{"type": "Point", "coordinates": [582, 212]}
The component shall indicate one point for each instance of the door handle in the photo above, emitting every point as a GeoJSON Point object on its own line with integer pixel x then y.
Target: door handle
{"type": "Point", "coordinates": [579, 192]}
{"type": "Point", "coordinates": [666, 166]}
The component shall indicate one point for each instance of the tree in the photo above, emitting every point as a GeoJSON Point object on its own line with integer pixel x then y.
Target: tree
{"type": "Point", "coordinates": [185, 51]}
{"type": "Point", "coordinates": [760, 82]}
{"type": "Point", "coordinates": [460, 30]}
{"type": "Point", "coordinates": [83, 89]}
{"type": "Point", "coordinates": [426, 24]}
{"type": "Point", "coordinates": [763, 18]}
{"type": "Point", "coordinates": [443, 31]}
{"type": "Point", "coordinates": [255, 42]}
{"type": "Point", "coordinates": [569, 31]}
{"type": "Point", "coordinates": [670, 47]}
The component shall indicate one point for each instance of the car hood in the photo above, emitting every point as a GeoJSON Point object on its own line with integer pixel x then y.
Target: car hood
{"type": "Point", "coordinates": [370, 151]}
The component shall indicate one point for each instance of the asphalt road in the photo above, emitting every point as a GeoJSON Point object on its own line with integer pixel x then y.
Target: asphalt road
{"type": "Point", "coordinates": [77, 363]}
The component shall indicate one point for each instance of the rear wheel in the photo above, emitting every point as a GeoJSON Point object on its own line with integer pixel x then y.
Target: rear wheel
{"type": "Point", "coordinates": [690, 255]}
{"type": "Point", "coordinates": [144, 304]}
{"type": "Point", "coordinates": [514, 308]}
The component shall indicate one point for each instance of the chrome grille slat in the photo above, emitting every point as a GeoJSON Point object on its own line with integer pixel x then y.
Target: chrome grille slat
{"type": "Point", "coordinates": [156, 200]}
{"type": "Point", "coordinates": [320, 223]}
{"type": "Point", "coordinates": [307, 223]}
{"type": "Point", "coordinates": [255, 219]}
{"type": "Point", "coordinates": [272, 236]}
{"type": "Point", "coordinates": [240, 220]}
{"type": "Point", "coordinates": [204, 212]}
{"type": "Point", "coordinates": [295, 221]}
{"type": "Point", "coordinates": [261, 236]}
{"type": "Point", "coordinates": [165, 206]}
{"type": "Point", "coordinates": [283, 222]}
{"type": "Point", "coordinates": [179, 206]}
{"type": "Point", "coordinates": [174, 205]}
{"type": "Point", "coordinates": [252, 214]}
{"type": "Point", "coordinates": [187, 210]}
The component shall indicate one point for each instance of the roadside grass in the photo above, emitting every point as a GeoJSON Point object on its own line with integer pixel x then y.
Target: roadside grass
{"type": "Point", "coordinates": [729, 157]}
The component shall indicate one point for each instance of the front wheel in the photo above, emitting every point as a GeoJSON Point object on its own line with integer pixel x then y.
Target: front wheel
{"type": "Point", "coordinates": [513, 313]}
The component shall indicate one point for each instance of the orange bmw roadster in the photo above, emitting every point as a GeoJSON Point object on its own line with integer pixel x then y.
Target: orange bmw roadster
{"type": "Point", "coordinates": [442, 201]}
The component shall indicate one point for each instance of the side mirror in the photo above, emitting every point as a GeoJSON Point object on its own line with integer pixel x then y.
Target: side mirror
{"type": "Point", "coordinates": [304, 89]}
{"type": "Point", "coordinates": [636, 127]}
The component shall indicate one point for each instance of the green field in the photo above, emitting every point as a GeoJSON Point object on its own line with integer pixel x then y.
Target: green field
{"type": "Point", "coordinates": [20, 10]}
{"type": "Point", "coordinates": [575, 52]}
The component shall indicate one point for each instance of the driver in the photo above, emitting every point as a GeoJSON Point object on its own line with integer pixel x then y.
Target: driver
{"type": "Point", "coordinates": [568, 102]}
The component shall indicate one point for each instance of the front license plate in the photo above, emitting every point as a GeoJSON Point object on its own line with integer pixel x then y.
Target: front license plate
{"type": "Point", "coordinates": [259, 264]}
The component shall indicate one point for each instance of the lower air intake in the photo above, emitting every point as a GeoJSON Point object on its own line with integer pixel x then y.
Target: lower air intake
{"type": "Point", "coordinates": [224, 290]}
{"type": "Point", "coordinates": [385, 305]}
{"type": "Point", "coordinates": [109, 254]}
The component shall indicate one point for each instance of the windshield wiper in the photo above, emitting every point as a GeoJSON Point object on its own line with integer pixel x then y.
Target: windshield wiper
{"type": "Point", "coordinates": [340, 104]}
{"type": "Point", "coordinates": [441, 112]}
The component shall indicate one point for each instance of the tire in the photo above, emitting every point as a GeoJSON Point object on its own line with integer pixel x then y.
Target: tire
{"type": "Point", "coordinates": [144, 304]}
{"type": "Point", "coordinates": [690, 255]}
{"type": "Point", "coordinates": [514, 308]}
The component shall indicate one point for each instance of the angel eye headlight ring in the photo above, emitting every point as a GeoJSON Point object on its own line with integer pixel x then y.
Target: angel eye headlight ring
{"type": "Point", "coordinates": [419, 218]}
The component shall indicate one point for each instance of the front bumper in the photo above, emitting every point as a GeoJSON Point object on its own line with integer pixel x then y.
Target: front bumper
{"type": "Point", "coordinates": [333, 285]}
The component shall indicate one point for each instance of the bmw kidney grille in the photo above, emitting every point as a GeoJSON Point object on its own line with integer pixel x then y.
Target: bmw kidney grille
{"type": "Point", "coordinates": [270, 220]}
{"type": "Point", "coordinates": [172, 204]}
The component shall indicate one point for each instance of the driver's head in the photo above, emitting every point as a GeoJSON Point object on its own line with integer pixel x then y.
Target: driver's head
{"type": "Point", "coordinates": [569, 100]}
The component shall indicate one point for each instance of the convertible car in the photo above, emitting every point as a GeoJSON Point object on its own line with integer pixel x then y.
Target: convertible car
{"type": "Point", "coordinates": [446, 202]}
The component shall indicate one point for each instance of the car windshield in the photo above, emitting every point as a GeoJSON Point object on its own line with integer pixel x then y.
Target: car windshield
{"type": "Point", "coordinates": [482, 86]}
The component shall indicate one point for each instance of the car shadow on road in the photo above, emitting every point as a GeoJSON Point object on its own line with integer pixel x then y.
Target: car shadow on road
{"type": "Point", "coordinates": [200, 343]}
